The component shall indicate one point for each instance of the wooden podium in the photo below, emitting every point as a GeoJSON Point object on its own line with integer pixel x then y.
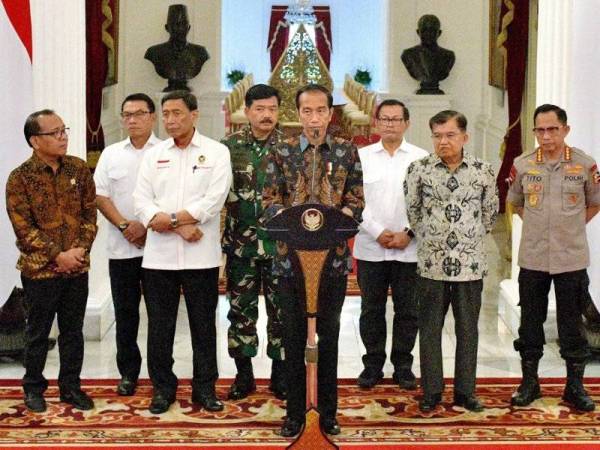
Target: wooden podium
{"type": "Point", "coordinates": [312, 230]}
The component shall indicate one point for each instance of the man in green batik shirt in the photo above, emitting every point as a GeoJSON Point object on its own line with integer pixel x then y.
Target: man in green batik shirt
{"type": "Point", "coordinates": [248, 249]}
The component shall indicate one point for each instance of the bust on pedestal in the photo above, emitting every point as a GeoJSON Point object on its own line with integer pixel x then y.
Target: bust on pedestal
{"type": "Point", "coordinates": [177, 60]}
{"type": "Point", "coordinates": [428, 62]}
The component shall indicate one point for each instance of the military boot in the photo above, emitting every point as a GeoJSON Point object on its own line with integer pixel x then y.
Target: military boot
{"type": "Point", "coordinates": [529, 390]}
{"type": "Point", "coordinates": [244, 383]}
{"type": "Point", "coordinates": [574, 391]}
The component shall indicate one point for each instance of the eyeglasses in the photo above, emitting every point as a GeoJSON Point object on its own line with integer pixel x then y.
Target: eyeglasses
{"type": "Point", "coordinates": [450, 136]}
{"type": "Point", "coordinates": [390, 120]}
{"type": "Point", "coordinates": [552, 131]}
{"type": "Point", "coordinates": [57, 134]}
{"type": "Point", "coordinates": [134, 115]}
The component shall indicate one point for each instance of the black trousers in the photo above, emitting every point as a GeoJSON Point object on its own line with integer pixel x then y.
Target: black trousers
{"type": "Point", "coordinates": [332, 292]}
{"type": "Point", "coordinates": [200, 290]}
{"type": "Point", "coordinates": [374, 279]}
{"type": "Point", "coordinates": [571, 289]}
{"type": "Point", "coordinates": [435, 297]}
{"type": "Point", "coordinates": [65, 298]}
{"type": "Point", "coordinates": [126, 285]}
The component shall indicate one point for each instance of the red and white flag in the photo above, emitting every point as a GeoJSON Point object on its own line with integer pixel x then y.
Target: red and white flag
{"type": "Point", "coordinates": [16, 102]}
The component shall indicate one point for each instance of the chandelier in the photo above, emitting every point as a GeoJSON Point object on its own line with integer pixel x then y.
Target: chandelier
{"type": "Point", "coordinates": [300, 12]}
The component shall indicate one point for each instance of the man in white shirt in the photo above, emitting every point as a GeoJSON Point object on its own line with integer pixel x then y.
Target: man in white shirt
{"type": "Point", "coordinates": [181, 187]}
{"type": "Point", "coordinates": [385, 250]}
{"type": "Point", "coordinates": [115, 177]}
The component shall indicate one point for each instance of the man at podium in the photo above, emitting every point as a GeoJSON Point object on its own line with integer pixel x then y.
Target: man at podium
{"type": "Point", "coordinates": [314, 167]}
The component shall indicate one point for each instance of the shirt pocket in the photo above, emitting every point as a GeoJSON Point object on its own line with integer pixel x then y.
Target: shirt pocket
{"type": "Point", "coordinates": [573, 198]}
{"type": "Point", "coordinates": [534, 196]}
{"type": "Point", "coordinates": [373, 184]}
{"type": "Point", "coordinates": [118, 181]}
{"type": "Point", "coordinates": [201, 177]}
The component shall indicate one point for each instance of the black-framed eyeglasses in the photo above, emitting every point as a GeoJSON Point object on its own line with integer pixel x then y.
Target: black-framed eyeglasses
{"type": "Point", "coordinates": [57, 134]}
{"type": "Point", "coordinates": [135, 115]}
{"type": "Point", "coordinates": [390, 120]}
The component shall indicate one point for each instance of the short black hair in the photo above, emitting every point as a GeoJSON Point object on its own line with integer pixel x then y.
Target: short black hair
{"type": "Point", "coordinates": [444, 116]}
{"type": "Point", "coordinates": [429, 19]}
{"type": "Point", "coordinates": [188, 98]}
{"type": "Point", "coordinates": [314, 88]}
{"type": "Point", "coordinates": [547, 107]}
{"type": "Point", "coordinates": [139, 97]}
{"type": "Point", "coordinates": [261, 92]}
{"type": "Point", "coordinates": [32, 126]}
{"type": "Point", "coordinates": [393, 102]}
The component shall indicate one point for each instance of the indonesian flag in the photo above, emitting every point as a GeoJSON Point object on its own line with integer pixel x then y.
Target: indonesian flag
{"type": "Point", "coordinates": [16, 94]}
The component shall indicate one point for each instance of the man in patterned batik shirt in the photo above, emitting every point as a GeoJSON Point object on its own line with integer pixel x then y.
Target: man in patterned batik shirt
{"type": "Point", "coordinates": [249, 250]}
{"type": "Point", "coordinates": [452, 203]}
{"type": "Point", "coordinates": [313, 168]}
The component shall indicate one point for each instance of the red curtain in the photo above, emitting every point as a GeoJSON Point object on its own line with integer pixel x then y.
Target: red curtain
{"type": "Point", "coordinates": [323, 33]}
{"type": "Point", "coordinates": [278, 34]}
{"type": "Point", "coordinates": [517, 32]}
{"type": "Point", "coordinates": [96, 70]}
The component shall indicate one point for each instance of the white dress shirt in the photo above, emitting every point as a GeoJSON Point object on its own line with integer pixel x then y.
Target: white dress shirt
{"type": "Point", "coordinates": [383, 181]}
{"type": "Point", "coordinates": [115, 177]}
{"type": "Point", "coordinates": [196, 179]}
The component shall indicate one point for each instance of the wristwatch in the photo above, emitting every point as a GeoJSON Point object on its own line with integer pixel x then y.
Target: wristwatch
{"type": "Point", "coordinates": [174, 221]}
{"type": "Point", "coordinates": [411, 233]}
{"type": "Point", "coordinates": [123, 226]}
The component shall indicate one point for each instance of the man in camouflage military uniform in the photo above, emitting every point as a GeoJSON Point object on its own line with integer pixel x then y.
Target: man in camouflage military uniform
{"type": "Point", "coordinates": [248, 249]}
{"type": "Point", "coordinates": [556, 191]}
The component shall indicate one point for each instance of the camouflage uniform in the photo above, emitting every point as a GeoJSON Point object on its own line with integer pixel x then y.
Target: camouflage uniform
{"type": "Point", "coordinates": [248, 249]}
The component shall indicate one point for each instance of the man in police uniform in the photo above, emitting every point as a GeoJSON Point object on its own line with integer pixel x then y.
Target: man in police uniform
{"type": "Point", "coordinates": [249, 250]}
{"type": "Point", "coordinates": [556, 191]}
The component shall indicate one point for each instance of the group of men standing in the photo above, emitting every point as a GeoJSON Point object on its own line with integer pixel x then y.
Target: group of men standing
{"type": "Point", "coordinates": [424, 219]}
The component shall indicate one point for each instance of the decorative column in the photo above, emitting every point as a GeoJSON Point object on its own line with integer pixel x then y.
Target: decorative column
{"type": "Point", "coordinates": [59, 84]}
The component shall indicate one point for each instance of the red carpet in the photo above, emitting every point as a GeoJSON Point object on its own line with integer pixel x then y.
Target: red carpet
{"type": "Point", "coordinates": [382, 418]}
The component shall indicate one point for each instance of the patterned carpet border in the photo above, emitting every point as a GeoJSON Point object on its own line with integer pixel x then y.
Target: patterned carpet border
{"type": "Point", "coordinates": [385, 417]}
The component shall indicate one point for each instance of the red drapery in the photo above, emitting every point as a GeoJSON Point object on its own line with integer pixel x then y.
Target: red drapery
{"type": "Point", "coordinates": [514, 33]}
{"type": "Point", "coordinates": [278, 34]}
{"type": "Point", "coordinates": [97, 67]}
{"type": "Point", "coordinates": [323, 33]}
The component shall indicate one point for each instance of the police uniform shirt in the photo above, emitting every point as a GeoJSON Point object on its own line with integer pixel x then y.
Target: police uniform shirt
{"type": "Point", "coordinates": [554, 198]}
{"type": "Point", "coordinates": [196, 179]}
{"type": "Point", "coordinates": [115, 177]}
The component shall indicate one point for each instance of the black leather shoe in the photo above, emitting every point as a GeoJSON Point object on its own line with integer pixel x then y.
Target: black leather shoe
{"type": "Point", "coordinates": [469, 402]}
{"type": "Point", "coordinates": [429, 402]}
{"type": "Point", "coordinates": [279, 388]}
{"type": "Point", "coordinates": [160, 403]}
{"type": "Point", "coordinates": [126, 387]}
{"type": "Point", "coordinates": [241, 388]}
{"type": "Point", "coordinates": [405, 379]}
{"type": "Point", "coordinates": [331, 426]}
{"type": "Point", "coordinates": [209, 401]}
{"type": "Point", "coordinates": [77, 398]}
{"type": "Point", "coordinates": [369, 377]}
{"type": "Point", "coordinates": [291, 427]}
{"type": "Point", "coordinates": [35, 402]}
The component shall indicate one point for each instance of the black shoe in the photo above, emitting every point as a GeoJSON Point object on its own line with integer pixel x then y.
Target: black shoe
{"type": "Point", "coordinates": [77, 398]}
{"type": "Point", "coordinates": [405, 379]}
{"type": "Point", "coordinates": [469, 402]}
{"type": "Point", "coordinates": [576, 395]}
{"type": "Point", "coordinates": [35, 402]}
{"type": "Point", "coordinates": [126, 387]}
{"type": "Point", "coordinates": [369, 377]}
{"type": "Point", "coordinates": [429, 402]}
{"type": "Point", "coordinates": [241, 388]}
{"type": "Point", "coordinates": [291, 427]}
{"type": "Point", "coordinates": [331, 426]}
{"type": "Point", "coordinates": [208, 400]}
{"type": "Point", "coordinates": [526, 393]}
{"type": "Point", "coordinates": [160, 403]}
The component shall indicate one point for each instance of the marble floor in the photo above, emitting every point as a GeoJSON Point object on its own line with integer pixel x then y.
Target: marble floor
{"type": "Point", "coordinates": [496, 355]}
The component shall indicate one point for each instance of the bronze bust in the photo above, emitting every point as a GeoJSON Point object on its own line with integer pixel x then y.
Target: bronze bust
{"type": "Point", "coordinates": [177, 60]}
{"type": "Point", "coordinates": [428, 62]}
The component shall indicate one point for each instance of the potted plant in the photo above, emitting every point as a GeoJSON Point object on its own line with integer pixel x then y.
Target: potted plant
{"type": "Point", "coordinates": [235, 75]}
{"type": "Point", "coordinates": [363, 76]}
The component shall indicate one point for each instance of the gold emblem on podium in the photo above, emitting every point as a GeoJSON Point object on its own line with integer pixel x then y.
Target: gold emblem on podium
{"type": "Point", "coordinates": [533, 199]}
{"type": "Point", "coordinates": [312, 219]}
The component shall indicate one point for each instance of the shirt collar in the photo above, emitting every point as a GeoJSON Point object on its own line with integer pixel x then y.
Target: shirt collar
{"type": "Point", "coordinates": [196, 140]}
{"type": "Point", "coordinates": [466, 161]}
{"type": "Point", "coordinates": [152, 140]}
{"type": "Point", "coordinates": [271, 140]}
{"type": "Point", "coordinates": [38, 164]}
{"type": "Point", "coordinates": [304, 141]}
{"type": "Point", "coordinates": [401, 147]}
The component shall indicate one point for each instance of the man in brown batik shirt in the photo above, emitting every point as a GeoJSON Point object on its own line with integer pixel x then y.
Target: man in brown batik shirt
{"type": "Point", "coordinates": [51, 203]}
